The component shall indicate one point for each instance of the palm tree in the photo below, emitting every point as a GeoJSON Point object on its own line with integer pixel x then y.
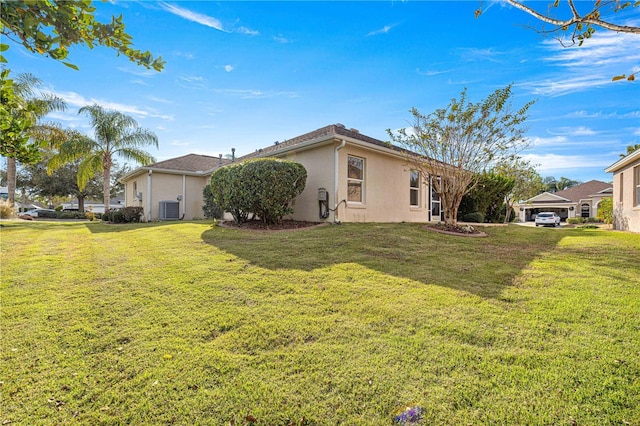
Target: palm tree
{"type": "Point", "coordinates": [31, 106]}
{"type": "Point", "coordinates": [116, 135]}
{"type": "Point", "coordinates": [630, 149]}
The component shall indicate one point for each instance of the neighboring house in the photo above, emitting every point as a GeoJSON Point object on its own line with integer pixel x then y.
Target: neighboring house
{"type": "Point", "coordinates": [626, 192]}
{"type": "Point", "coordinates": [171, 189]}
{"type": "Point", "coordinates": [351, 177]}
{"type": "Point", "coordinates": [578, 201]}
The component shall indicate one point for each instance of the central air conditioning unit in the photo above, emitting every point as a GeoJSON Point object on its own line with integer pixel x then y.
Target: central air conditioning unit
{"type": "Point", "coordinates": [169, 210]}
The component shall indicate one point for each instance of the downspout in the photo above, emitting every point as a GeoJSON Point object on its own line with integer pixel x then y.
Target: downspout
{"type": "Point", "coordinates": [184, 196]}
{"type": "Point", "coordinates": [335, 180]}
{"type": "Point", "coordinates": [149, 196]}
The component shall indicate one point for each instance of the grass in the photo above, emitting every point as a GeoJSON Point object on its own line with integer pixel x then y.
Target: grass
{"type": "Point", "coordinates": [185, 323]}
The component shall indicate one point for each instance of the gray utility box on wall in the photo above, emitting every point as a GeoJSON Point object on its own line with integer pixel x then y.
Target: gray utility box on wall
{"type": "Point", "coordinates": [169, 210]}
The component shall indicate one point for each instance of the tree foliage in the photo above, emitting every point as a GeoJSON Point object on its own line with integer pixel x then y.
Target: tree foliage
{"type": "Point", "coordinates": [115, 135]}
{"type": "Point", "coordinates": [50, 27]}
{"type": "Point", "coordinates": [487, 197]}
{"type": "Point", "coordinates": [462, 141]}
{"type": "Point", "coordinates": [210, 208]}
{"type": "Point", "coordinates": [630, 150]}
{"type": "Point", "coordinates": [263, 187]}
{"type": "Point", "coordinates": [22, 132]}
{"type": "Point", "coordinates": [605, 210]}
{"type": "Point", "coordinates": [61, 183]}
{"type": "Point", "coordinates": [527, 182]}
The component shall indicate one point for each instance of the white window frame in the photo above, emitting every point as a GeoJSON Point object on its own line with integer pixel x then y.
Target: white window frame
{"type": "Point", "coordinates": [351, 180]}
{"type": "Point", "coordinates": [414, 189]}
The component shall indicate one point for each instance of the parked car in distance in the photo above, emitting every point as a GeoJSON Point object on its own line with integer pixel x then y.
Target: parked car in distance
{"type": "Point", "coordinates": [547, 219]}
{"type": "Point", "coordinates": [36, 212]}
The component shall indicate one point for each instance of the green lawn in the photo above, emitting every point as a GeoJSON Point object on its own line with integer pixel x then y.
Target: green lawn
{"type": "Point", "coordinates": [185, 323]}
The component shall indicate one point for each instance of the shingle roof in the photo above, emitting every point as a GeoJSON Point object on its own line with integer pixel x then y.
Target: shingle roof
{"type": "Point", "coordinates": [583, 191]}
{"type": "Point", "coordinates": [190, 163]}
{"type": "Point", "coordinates": [327, 132]}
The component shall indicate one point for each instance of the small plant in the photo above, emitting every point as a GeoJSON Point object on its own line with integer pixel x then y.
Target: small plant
{"type": "Point", "coordinates": [589, 226]}
{"type": "Point", "coordinates": [91, 216]}
{"type": "Point", "coordinates": [6, 211]}
{"type": "Point", "coordinates": [409, 416]}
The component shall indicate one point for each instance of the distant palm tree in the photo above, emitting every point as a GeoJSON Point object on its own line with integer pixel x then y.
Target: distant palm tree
{"type": "Point", "coordinates": [116, 135]}
{"type": "Point", "coordinates": [630, 149]}
{"type": "Point", "coordinates": [34, 106]}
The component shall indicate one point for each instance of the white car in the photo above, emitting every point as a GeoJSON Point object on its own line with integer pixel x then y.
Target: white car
{"type": "Point", "coordinates": [35, 212]}
{"type": "Point", "coordinates": [547, 219]}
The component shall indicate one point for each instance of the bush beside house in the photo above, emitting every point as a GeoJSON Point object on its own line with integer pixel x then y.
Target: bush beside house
{"type": "Point", "coordinates": [263, 188]}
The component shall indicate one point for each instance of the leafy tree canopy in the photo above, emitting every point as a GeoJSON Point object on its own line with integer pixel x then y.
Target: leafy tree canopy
{"type": "Point", "coordinates": [457, 144]}
{"type": "Point", "coordinates": [50, 27]}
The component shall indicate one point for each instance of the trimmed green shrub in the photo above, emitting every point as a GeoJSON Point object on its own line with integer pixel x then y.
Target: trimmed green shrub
{"type": "Point", "coordinates": [124, 215]}
{"type": "Point", "coordinates": [263, 187]}
{"type": "Point", "coordinates": [132, 214]}
{"type": "Point", "coordinates": [274, 184]}
{"type": "Point", "coordinates": [47, 214]}
{"type": "Point", "coordinates": [67, 215]}
{"type": "Point", "coordinates": [475, 217]}
{"type": "Point", "coordinates": [593, 220]}
{"type": "Point", "coordinates": [210, 208]}
{"type": "Point", "coordinates": [575, 220]}
{"type": "Point", "coordinates": [230, 193]}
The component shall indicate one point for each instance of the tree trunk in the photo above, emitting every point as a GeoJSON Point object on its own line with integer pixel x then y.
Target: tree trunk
{"type": "Point", "coordinates": [11, 180]}
{"type": "Point", "coordinates": [81, 203]}
{"type": "Point", "coordinates": [106, 185]}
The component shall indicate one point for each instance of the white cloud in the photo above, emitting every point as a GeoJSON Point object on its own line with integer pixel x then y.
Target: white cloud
{"type": "Point", "coordinates": [573, 131]}
{"type": "Point", "coordinates": [189, 15]}
{"type": "Point", "coordinates": [228, 68]}
{"type": "Point", "coordinates": [179, 143]}
{"type": "Point", "coordinates": [280, 39]}
{"type": "Point", "coordinates": [186, 55]}
{"type": "Point", "coordinates": [430, 73]}
{"type": "Point", "coordinates": [257, 94]}
{"type": "Point", "coordinates": [76, 100]}
{"type": "Point", "coordinates": [537, 141]}
{"type": "Point", "coordinates": [383, 30]}
{"type": "Point", "coordinates": [248, 31]}
{"type": "Point", "coordinates": [592, 65]}
{"type": "Point", "coordinates": [554, 162]}
{"type": "Point", "coordinates": [137, 71]}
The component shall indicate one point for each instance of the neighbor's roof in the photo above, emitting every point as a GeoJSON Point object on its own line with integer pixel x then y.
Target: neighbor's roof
{"type": "Point", "coordinates": [332, 131]}
{"type": "Point", "coordinates": [192, 164]}
{"type": "Point", "coordinates": [189, 163]}
{"type": "Point", "coordinates": [585, 191]}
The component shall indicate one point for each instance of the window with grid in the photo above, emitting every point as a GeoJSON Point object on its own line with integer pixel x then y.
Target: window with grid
{"type": "Point", "coordinates": [414, 188]}
{"type": "Point", "coordinates": [355, 179]}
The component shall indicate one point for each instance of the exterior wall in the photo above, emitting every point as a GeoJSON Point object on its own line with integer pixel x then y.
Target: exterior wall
{"type": "Point", "coordinates": [386, 189]}
{"type": "Point", "coordinates": [166, 187]}
{"type": "Point", "coordinates": [626, 214]}
{"type": "Point", "coordinates": [319, 164]}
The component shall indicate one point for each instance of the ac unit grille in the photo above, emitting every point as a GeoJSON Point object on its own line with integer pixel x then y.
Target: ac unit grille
{"type": "Point", "coordinates": [169, 210]}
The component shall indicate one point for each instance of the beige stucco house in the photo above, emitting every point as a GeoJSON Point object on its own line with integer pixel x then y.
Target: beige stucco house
{"type": "Point", "coordinates": [626, 192]}
{"type": "Point", "coordinates": [171, 189]}
{"type": "Point", "coordinates": [579, 201]}
{"type": "Point", "coordinates": [351, 177]}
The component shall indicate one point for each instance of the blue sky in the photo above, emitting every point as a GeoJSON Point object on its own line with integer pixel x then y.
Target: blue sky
{"type": "Point", "coordinates": [247, 74]}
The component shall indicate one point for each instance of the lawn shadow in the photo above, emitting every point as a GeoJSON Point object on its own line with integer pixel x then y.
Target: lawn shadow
{"type": "Point", "coordinates": [481, 266]}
